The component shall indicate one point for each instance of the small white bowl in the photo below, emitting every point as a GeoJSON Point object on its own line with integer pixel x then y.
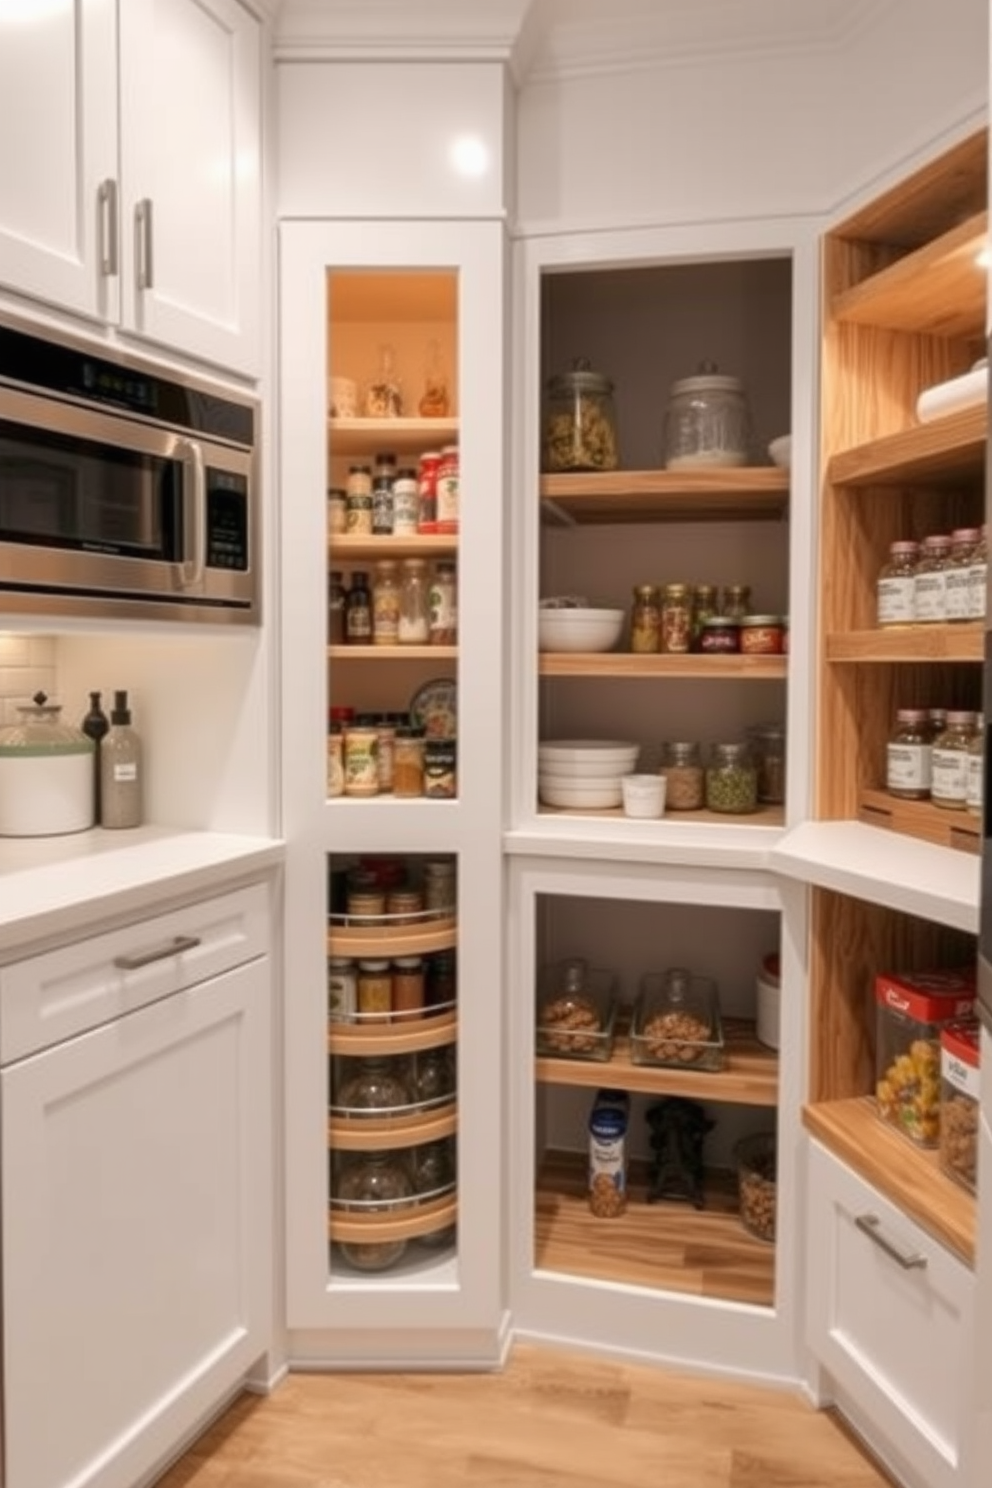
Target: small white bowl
{"type": "Point", "coordinates": [780, 450]}
{"type": "Point", "coordinates": [579, 630]}
{"type": "Point", "coordinates": [643, 795]}
{"type": "Point", "coordinates": [582, 795]}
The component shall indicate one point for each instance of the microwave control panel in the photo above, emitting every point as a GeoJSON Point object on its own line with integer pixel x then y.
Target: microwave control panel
{"type": "Point", "coordinates": [227, 521]}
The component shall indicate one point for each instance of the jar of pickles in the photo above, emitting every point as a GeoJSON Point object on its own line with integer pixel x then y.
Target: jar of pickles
{"type": "Point", "coordinates": [731, 779]}
{"type": "Point", "coordinates": [645, 620]}
{"type": "Point", "coordinates": [676, 619]}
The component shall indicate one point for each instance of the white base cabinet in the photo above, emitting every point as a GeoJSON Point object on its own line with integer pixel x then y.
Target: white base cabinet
{"type": "Point", "coordinates": [135, 1190]}
{"type": "Point", "coordinates": [890, 1323]}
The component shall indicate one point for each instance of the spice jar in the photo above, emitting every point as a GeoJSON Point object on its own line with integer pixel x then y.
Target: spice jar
{"type": "Point", "coordinates": [337, 511]}
{"type": "Point", "coordinates": [408, 761]}
{"type": "Point", "coordinates": [682, 767]}
{"type": "Point", "coordinates": [676, 619]}
{"type": "Point", "coordinates": [374, 996]}
{"type": "Point", "coordinates": [409, 987]}
{"type": "Point", "coordinates": [414, 625]}
{"type": "Point", "coordinates": [896, 587]}
{"type": "Point", "coordinates": [385, 605]}
{"type": "Point", "coordinates": [645, 619]}
{"type": "Point", "coordinates": [731, 780]}
{"type": "Point", "coordinates": [957, 574]}
{"type": "Point", "coordinates": [977, 587]}
{"type": "Point", "coordinates": [579, 421]}
{"type": "Point", "coordinates": [358, 501]}
{"type": "Point", "coordinates": [371, 1182]}
{"type": "Point", "coordinates": [706, 423]}
{"type": "Point", "coordinates": [949, 762]}
{"type": "Point", "coordinates": [442, 605]}
{"type": "Point", "coordinates": [427, 492]}
{"type": "Point", "coordinates": [930, 585]}
{"type": "Point", "coordinates": [440, 768]}
{"type": "Point", "coordinates": [406, 505]}
{"type": "Point", "coordinates": [736, 601]}
{"type": "Point", "coordinates": [907, 756]}
{"type": "Point", "coordinates": [382, 506]}
{"type": "Point", "coordinates": [342, 989]}
{"type": "Point", "coordinates": [361, 758]}
{"type": "Point", "coordinates": [337, 601]}
{"type": "Point", "coordinates": [386, 754]}
{"type": "Point", "coordinates": [440, 884]}
{"type": "Point", "coordinates": [448, 489]}
{"type": "Point", "coordinates": [704, 607]}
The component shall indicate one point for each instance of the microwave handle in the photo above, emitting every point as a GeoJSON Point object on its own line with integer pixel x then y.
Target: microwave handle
{"type": "Point", "coordinates": [193, 565]}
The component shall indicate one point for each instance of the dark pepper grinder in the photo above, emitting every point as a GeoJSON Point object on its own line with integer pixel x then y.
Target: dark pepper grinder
{"type": "Point", "coordinates": [95, 725]}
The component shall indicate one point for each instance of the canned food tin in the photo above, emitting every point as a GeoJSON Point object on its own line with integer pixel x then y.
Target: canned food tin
{"type": "Point", "coordinates": [447, 490]}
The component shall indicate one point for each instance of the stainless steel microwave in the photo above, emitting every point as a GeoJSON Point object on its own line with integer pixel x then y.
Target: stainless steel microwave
{"type": "Point", "coordinates": [125, 492]}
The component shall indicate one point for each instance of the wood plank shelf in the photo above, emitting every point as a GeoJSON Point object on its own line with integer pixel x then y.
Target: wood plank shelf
{"type": "Point", "coordinates": [667, 1247]}
{"type": "Point", "coordinates": [765, 816]}
{"type": "Point", "coordinates": [406, 436]}
{"type": "Point", "coordinates": [406, 1036]}
{"type": "Point", "coordinates": [418, 939]}
{"type": "Point", "coordinates": [345, 547]}
{"type": "Point", "coordinates": [629, 664]}
{"type": "Point", "coordinates": [910, 643]}
{"type": "Point", "coordinates": [399, 1224]}
{"type": "Point", "coordinates": [947, 448]}
{"type": "Point", "coordinates": [750, 1077]}
{"type": "Point", "coordinates": [373, 1133]}
{"type": "Point", "coordinates": [724, 495]}
{"type": "Point", "coordinates": [938, 289]}
{"type": "Point", "coordinates": [957, 829]}
{"type": "Point", "coordinates": [906, 1174]}
{"type": "Point", "coordinates": [392, 653]}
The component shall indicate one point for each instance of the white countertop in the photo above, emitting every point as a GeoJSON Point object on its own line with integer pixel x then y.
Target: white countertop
{"type": "Point", "coordinates": [51, 886]}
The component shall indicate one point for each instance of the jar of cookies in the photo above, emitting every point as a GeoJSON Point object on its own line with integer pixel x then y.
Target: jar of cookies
{"type": "Point", "coordinates": [579, 423]}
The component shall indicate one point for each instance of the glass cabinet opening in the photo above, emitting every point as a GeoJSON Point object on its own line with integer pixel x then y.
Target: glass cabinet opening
{"type": "Point", "coordinates": [656, 1034]}
{"type": "Point", "coordinates": [664, 554]}
{"type": "Point", "coordinates": [392, 1067]}
{"type": "Point", "coordinates": [393, 492]}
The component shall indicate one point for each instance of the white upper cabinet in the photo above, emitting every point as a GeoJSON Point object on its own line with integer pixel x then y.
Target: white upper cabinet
{"type": "Point", "coordinates": [134, 195]}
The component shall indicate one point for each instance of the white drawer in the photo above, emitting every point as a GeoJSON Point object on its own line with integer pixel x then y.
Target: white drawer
{"type": "Point", "coordinates": [57, 994]}
{"type": "Point", "coordinates": [896, 1335]}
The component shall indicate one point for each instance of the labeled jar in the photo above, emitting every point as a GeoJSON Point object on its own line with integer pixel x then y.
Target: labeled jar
{"type": "Point", "coordinates": [386, 755]}
{"type": "Point", "coordinates": [406, 504]}
{"type": "Point", "coordinates": [736, 602]}
{"type": "Point", "coordinates": [975, 789]}
{"type": "Point", "coordinates": [761, 635]}
{"type": "Point", "coordinates": [385, 605]}
{"type": "Point", "coordinates": [949, 762]}
{"type": "Point", "coordinates": [404, 901]}
{"type": "Point", "coordinates": [442, 605]}
{"type": "Point", "coordinates": [896, 587]}
{"type": "Point", "coordinates": [957, 574]}
{"type": "Point", "coordinates": [908, 756]}
{"type": "Point", "coordinates": [707, 421]}
{"type": "Point", "coordinates": [978, 576]}
{"type": "Point", "coordinates": [375, 999]}
{"type": "Point", "coordinates": [960, 1100]}
{"type": "Point", "coordinates": [440, 768]}
{"type": "Point", "coordinates": [358, 610]}
{"type": "Point", "coordinates": [731, 780]}
{"type": "Point", "coordinates": [703, 599]}
{"type": "Point", "coordinates": [337, 511]}
{"type": "Point", "coordinates": [361, 759]}
{"type": "Point", "coordinates": [409, 987]}
{"type": "Point", "coordinates": [358, 501]}
{"type": "Point", "coordinates": [580, 431]}
{"type": "Point", "coordinates": [342, 989]}
{"type": "Point", "coordinates": [366, 902]}
{"type": "Point", "coordinates": [382, 506]}
{"type": "Point", "coordinates": [408, 761]}
{"type": "Point", "coordinates": [682, 767]}
{"type": "Point", "coordinates": [427, 492]}
{"type": "Point", "coordinates": [448, 490]}
{"type": "Point", "coordinates": [676, 619]}
{"type": "Point", "coordinates": [645, 619]}
{"type": "Point", "coordinates": [335, 760]}
{"type": "Point", "coordinates": [720, 636]}
{"type": "Point", "coordinates": [767, 742]}
{"type": "Point", "coordinates": [930, 588]}
{"type": "Point", "coordinates": [337, 601]}
{"type": "Point", "coordinates": [414, 622]}
{"type": "Point", "coordinates": [440, 884]}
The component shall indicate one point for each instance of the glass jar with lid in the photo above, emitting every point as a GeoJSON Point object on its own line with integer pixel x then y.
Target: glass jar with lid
{"type": "Point", "coordinates": [979, 565]}
{"type": "Point", "coordinates": [580, 431]}
{"type": "Point", "coordinates": [957, 573]}
{"type": "Point", "coordinates": [930, 589]}
{"type": "Point", "coordinates": [707, 421]}
{"type": "Point", "coordinates": [434, 1175]}
{"type": "Point", "coordinates": [676, 619]}
{"type": "Point", "coordinates": [736, 602]}
{"type": "Point", "coordinates": [908, 756]}
{"type": "Point", "coordinates": [47, 774]}
{"type": "Point", "coordinates": [767, 742]}
{"type": "Point", "coordinates": [373, 1183]}
{"type": "Point", "coordinates": [433, 1076]}
{"type": "Point", "coordinates": [645, 620]}
{"type": "Point", "coordinates": [373, 1085]}
{"type": "Point", "coordinates": [731, 779]}
{"type": "Point", "coordinates": [385, 604]}
{"type": "Point", "coordinates": [414, 624]}
{"type": "Point", "coordinates": [895, 590]}
{"type": "Point", "coordinates": [949, 761]}
{"type": "Point", "coordinates": [704, 607]}
{"type": "Point", "coordinates": [442, 604]}
{"type": "Point", "coordinates": [682, 767]}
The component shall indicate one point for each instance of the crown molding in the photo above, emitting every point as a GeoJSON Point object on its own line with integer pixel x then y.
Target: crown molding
{"type": "Point", "coordinates": [399, 30]}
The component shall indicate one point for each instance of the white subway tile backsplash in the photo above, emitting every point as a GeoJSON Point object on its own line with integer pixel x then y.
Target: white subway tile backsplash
{"type": "Point", "coordinates": [15, 650]}
{"type": "Point", "coordinates": [42, 650]}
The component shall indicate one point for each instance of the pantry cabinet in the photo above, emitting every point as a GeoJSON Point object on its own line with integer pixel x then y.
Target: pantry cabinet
{"type": "Point", "coordinates": [138, 205]}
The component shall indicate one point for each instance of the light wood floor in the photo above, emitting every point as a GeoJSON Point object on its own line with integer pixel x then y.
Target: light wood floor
{"type": "Point", "coordinates": [550, 1420]}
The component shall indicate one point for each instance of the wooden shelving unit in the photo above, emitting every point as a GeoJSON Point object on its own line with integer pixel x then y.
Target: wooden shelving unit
{"type": "Point", "coordinates": [404, 436]}
{"type": "Point", "coordinates": [627, 664]}
{"type": "Point", "coordinates": [392, 653]}
{"type": "Point", "coordinates": [346, 548]}
{"type": "Point", "coordinates": [921, 819]}
{"type": "Point", "coordinates": [945, 449]}
{"type": "Point", "coordinates": [912, 643]}
{"type": "Point", "coordinates": [750, 1077]}
{"type": "Point", "coordinates": [373, 1133]}
{"type": "Point", "coordinates": [765, 816]}
{"type": "Point", "coordinates": [746, 494]}
{"type": "Point", "coordinates": [406, 1222]}
{"type": "Point", "coordinates": [938, 289]}
{"type": "Point", "coordinates": [668, 1246]}
{"type": "Point", "coordinates": [417, 939]}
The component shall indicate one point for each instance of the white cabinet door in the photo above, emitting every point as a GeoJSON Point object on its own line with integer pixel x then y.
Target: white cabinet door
{"type": "Point", "coordinates": [58, 125]}
{"type": "Point", "coordinates": [190, 91]}
{"type": "Point", "coordinates": [135, 1232]}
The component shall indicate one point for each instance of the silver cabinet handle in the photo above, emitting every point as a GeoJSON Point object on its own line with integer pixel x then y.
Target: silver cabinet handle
{"type": "Point", "coordinates": [143, 242]}
{"type": "Point", "coordinates": [174, 947]}
{"type": "Point", "coordinates": [107, 199]}
{"type": "Point", "coordinates": [870, 1225]}
{"type": "Point", "coordinates": [194, 560]}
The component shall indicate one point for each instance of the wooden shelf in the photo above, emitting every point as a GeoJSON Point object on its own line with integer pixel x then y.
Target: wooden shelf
{"type": "Point", "coordinates": [668, 1246]}
{"type": "Point", "coordinates": [346, 548]}
{"type": "Point", "coordinates": [749, 1079]}
{"type": "Point", "coordinates": [734, 495]}
{"type": "Point", "coordinates": [404, 436]}
{"type": "Point", "coordinates": [957, 829]}
{"type": "Point", "coordinates": [910, 643]}
{"type": "Point", "coordinates": [400, 1224]}
{"type": "Point", "coordinates": [392, 940]}
{"type": "Point", "coordinates": [945, 449]}
{"type": "Point", "coordinates": [409, 1036]}
{"type": "Point", "coordinates": [628, 664]}
{"type": "Point", "coordinates": [906, 1174]}
{"type": "Point", "coordinates": [765, 816]}
{"type": "Point", "coordinates": [374, 1133]}
{"type": "Point", "coordinates": [938, 289]}
{"type": "Point", "coordinates": [392, 653]}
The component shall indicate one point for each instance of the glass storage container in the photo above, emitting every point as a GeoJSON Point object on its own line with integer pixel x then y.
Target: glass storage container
{"type": "Point", "coordinates": [960, 1094]}
{"type": "Point", "coordinates": [434, 1174]}
{"type": "Point", "coordinates": [576, 1011]}
{"type": "Point", "coordinates": [911, 1010]}
{"type": "Point", "coordinates": [957, 574]}
{"type": "Point", "coordinates": [767, 742]}
{"type": "Point", "coordinates": [373, 1087]}
{"type": "Point", "coordinates": [677, 1022]}
{"type": "Point", "coordinates": [682, 767]}
{"type": "Point", "coordinates": [373, 1183]}
{"type": "Point", "coordinates": [756, 1185]}
{"type": "Point", "coordinates": [930, 587]}
{"type": "Point", "coordinates": [907, 756]}
{"type": "Point", "coordinates": [949, 761]}
{"type": "Point", "coordinates": [707, 421]}
{"type": "Point", "coordinates": [731, 780]}
{"type": "Point", "coordinates": [580, 430]}
{"type": "Point", "coordinates": [414, 621]}
{"type": "Point", "coordinates": [676, 619]}
{"type": "Point", "coordinates": [896, 587]}
{"type": "Point", "coordinates": [645, 620]}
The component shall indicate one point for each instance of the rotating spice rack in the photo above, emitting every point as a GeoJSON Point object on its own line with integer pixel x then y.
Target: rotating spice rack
{"type": "Point", "coordinates": [369, 1035]}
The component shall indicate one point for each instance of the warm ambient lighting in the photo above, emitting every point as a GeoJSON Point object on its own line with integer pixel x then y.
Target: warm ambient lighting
{"type": "Point", "coordinates": [983, 257]}
{"type": "Point", "coordinates": [28, 12]}
{"type": "Point", "coordinates": [469, 155]}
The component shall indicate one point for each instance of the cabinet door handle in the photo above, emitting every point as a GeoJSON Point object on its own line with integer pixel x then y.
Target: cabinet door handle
{"type": "Point", "coordinates": [870, 1225]}
{"type": "Point", "coordinates": [107, 199]}
{"type": "Point", "coordinates": [174, 947]}
{"type": "Point", "coordinates": [143, 244]}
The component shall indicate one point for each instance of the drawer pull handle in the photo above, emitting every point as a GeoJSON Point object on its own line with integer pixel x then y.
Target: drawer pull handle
{"type": "Point", "coordinates": [869, 1224]}
{"type": "Point", "coordinates": [174, 947]}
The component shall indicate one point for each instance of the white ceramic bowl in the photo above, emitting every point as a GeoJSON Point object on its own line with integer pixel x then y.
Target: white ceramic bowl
{"type": "Point", "coordinates": [584, 795]}
{"type": "Point", "coordinates": [579, 630]}
{"type": "Point", "coordinates": [568, 751]}
{"type": "Point", "coordinates": [587, 769]}
{"type": "Point", "coordinates": [781, 451]}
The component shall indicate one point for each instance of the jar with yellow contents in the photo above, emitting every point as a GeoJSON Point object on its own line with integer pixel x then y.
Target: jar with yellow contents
{"type": "Point", "coordinates": [645, 620]}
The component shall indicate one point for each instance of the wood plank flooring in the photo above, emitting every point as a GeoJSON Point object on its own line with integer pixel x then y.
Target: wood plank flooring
{"type": "Point", "coordinates": [551, 1419]}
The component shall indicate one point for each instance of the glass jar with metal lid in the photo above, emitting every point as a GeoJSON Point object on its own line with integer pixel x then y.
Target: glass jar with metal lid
{"type": "Point", "coordinates": [907, 756]}
{"type": "Point", "coordinates": [645, 620]}
{"type": "Point", "coordinates": [682, 767]}
{"type": "Point", "coordinates": [949, 761]}
{"type": "Point", "coordinates": [676, 619]}
{"type": "Point", "coordinates": [579, 421]}
{"type": "Point", "coordinates": [369, 1183]}
{"type": "Point", "coordinates": [732, 779]}
{"type": "Point", "coordinates": [707, 421]}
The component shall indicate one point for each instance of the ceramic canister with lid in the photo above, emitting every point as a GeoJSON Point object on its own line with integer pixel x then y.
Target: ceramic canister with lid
{"type": "Point", "coordinates": [46, 774]}
{"type": "Point", "coordinates": [707, 421]}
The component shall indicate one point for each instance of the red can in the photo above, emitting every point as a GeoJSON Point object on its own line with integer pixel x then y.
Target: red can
{"type": "Point", "coordinates": [447, 490]}
{"type": "Point", "coordinates": [427, 492]}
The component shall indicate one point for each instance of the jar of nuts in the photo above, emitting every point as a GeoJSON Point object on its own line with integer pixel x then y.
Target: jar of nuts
{"type": "Point", "coordinates": [756, 1168]}
{"type": "Point", "coordinates": [576, 1012]}
{"type": "Point", "coordinates": [677, 1022]}
{"type": "Point", "coordinates": [579, 423]}
{"type": "Point", "coordinates": [959, 1100]}
{"type": "Point", "coordinates": [682, 767]}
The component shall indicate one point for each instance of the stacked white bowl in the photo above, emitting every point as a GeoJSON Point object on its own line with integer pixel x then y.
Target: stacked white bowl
{"type": "Point", "coordinates": [584, 774]}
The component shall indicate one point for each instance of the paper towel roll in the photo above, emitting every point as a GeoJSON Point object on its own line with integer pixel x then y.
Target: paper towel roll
{"type": "Point", "coordinates": [951, 397]}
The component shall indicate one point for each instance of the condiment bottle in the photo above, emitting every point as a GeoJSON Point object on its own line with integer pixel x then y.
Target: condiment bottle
{"type": "Point", "coordinates": [645, 619]}
{"type": "Point", "coordinates": [120, 770]}
{"type": "Point", "coordinates": [358, 610]}
{"type": "Point", "coordinates": [385, 605]}
{"type": "Point", "coordinates": [95, 726]}
{"type": "Point", "coordinates": [442, 605]}
{"type": "Point", "coordinates": [949, 775]}
{"type": "Point", "coordinates": [908, 756]}
{"type": "Point", "coordinates": [957, 574]}
{"type": "Point", "coordinates": [896, 587]}
{"type": "Point", "coordinates": [930, 593]}
{"type": "Point", "coordinates": [337, 601]}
